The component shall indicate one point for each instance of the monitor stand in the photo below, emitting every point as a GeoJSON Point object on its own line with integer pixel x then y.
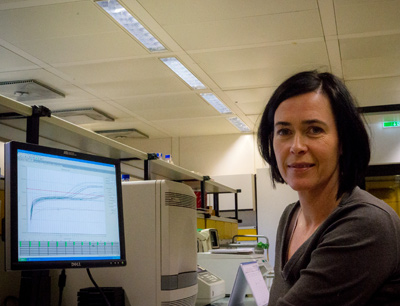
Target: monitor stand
{"type": "Point", "coordinates": [35, 288]}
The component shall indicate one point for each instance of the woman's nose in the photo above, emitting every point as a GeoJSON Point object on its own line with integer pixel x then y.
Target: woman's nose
{"type": "Point", "coordinates": [298, 145]}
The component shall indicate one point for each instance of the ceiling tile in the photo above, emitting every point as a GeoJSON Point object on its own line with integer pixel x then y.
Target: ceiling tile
{"type": "Point", "coordinates": [371, 67]}
{"type": "Point", "coordinates": [83, 48]}
{"type": "Point", "coordinates": [251, 94]}
{"type": "Point", "coordinates": [248, 30]}
{"type": "Point", "coordinates": [370, 56]}
{"type": "Point", "coordinates": [255, 119]}
{"type": "Point", "coordinates": [174, 106]}
{"type": "Point", "coordinates": [355, 16]}
{"type": "Point", "coordinates": [118, 70]}
{"type": "Point", "coordinates": [126, 78]}
{"type": "Point", "coordinates": [260, 67]}
{"type": "Point", "coordinates": [53, 21]}
{"type": "Point", "coordinates": [376, 91]}
{"type": "Point", "coordinates": [10, 61]}
{"type": "Point", "coordinates": [182, 12]}
{"type": "Point", "coordinates": [252, 108]}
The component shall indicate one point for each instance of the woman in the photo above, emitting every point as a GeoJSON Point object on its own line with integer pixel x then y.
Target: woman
{"type": "Point", "coordinates": [338, 245]}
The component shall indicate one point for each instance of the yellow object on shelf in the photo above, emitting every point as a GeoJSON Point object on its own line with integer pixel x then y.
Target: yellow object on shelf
{"type": "Point", "coordinates": [227, 228]}
{"type": "Point", "coordinates": [247, 231]}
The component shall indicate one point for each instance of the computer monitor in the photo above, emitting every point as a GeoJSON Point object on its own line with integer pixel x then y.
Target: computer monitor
{"type": "Point", "coordinates": [63, 209]}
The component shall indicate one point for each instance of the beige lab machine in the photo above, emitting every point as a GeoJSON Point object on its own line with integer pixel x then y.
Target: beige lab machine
{"type": "Point", "coordinates": [160, 234]}
{"type": "Point", "coordinates": [226, 265]}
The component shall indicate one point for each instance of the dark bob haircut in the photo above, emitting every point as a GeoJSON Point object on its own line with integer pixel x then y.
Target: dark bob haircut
{"type": "Point", "coordinates": [353, 137]}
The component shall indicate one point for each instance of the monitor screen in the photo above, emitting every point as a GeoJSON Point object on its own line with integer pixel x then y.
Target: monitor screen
{"type": "Point", "coordinates": [63, 209]}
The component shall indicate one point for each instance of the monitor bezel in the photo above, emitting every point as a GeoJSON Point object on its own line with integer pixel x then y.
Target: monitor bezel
{"type": "Point", "coordinates": [11, 210]}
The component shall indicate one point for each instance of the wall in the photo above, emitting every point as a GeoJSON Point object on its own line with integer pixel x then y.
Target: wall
{"type": "Point", "coordinates": [208, 155]}
{"type": "Point", "coordinates": [271, 203]}
{"type": "Point", "coordinates": [385, 142]}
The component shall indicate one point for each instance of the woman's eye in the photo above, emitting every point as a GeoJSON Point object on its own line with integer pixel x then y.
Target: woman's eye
{"type": "Point", "coordinates": [283, 132]}
{"type": "Point", "coordinates": [316, 130]}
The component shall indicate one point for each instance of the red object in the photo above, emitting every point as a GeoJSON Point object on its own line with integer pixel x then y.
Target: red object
{"type": "Point", "coordinates": [198, 199]}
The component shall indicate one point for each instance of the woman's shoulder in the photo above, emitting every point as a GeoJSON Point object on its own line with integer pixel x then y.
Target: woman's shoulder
{"type": "Point", "coordinates": [360, 199]}
{"type": "Point", "coordinates": [362, 212]}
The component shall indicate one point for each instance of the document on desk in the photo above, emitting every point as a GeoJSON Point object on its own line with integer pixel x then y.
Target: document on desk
{"type": "Point", "coordinates": [233, 251]}
{"type": "Point", "coordinates": [249, 274]}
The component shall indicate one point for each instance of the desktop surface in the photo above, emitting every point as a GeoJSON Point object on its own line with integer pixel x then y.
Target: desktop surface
{"type": "Point", "coordinates": [248, 301]}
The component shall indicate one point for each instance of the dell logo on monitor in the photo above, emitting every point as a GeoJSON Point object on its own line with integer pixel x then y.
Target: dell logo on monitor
{"type": "Point", "coordinates": [75, 264]}
{"type": "Point", "coordinates": [69, 153]}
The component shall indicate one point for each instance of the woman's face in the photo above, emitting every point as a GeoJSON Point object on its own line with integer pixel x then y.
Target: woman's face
{"type": "Point", "coordinates": [306, 143]}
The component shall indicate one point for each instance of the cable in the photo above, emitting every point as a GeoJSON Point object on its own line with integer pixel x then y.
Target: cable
{"type": "Point", "coordinates": [98, 288]}
{"type": "Point", "coordinates": [62, 279]}
{"type": "Point", "coordinates": [13, 299]}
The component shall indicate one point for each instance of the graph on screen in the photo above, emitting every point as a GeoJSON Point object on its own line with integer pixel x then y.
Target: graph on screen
{"type": "Point", "coordinates": [61, 202]}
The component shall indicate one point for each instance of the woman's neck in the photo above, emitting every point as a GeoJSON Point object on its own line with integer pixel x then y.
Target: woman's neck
{"type": "Point", "coordinates": [317, 207]}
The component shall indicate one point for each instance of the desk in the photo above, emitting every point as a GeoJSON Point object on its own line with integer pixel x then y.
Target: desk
{"type": "Point", "coordinates": [249, 301]}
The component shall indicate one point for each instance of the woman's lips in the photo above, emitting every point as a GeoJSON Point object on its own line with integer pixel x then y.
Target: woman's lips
{"type": "Point", "coordinates": [300, 165]}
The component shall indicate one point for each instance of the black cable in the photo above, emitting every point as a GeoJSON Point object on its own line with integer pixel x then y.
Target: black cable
{"type": "Point", "coordinates": [62, 279]}
{"type": "Point", "coordinates": [10, 298]}
{"type": "Point", "coordinates": [98, 288]}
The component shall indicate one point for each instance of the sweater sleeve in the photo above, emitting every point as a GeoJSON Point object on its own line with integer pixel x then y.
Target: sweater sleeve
{"type": "Point", "coordinates": [347, 262]}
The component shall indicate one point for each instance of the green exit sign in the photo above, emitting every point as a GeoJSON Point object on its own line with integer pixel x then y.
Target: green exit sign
{"type": "Point", "coordinates": [387, 124]}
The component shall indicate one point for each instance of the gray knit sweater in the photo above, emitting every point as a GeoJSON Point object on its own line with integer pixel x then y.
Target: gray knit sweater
{"type": "Point", "coordinates": [353, 258]}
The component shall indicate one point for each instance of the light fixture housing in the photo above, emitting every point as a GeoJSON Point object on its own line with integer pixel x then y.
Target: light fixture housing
{"type": "Point", "coordinates": [216, 103]}
{"type": "Point", "coordinates": [122, 134]}
{"type": "Point", "coordinates": [239, 124]}
{"type": "Point", "coordinates": [176, 66]}
{"type": "Point", "coordinates": [131, 24]}
{"type": "Point", "coordinates": [90, 112]}
{"type": "Point", "coordinates": [28, 90]}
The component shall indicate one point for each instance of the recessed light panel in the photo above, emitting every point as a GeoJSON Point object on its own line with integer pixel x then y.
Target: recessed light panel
{"type": "Point", "coordinates": [239, 124]}
{"type": "Point", "coordinates": [216, 103]}
{"type": "Point", "coordinates": [125, 19]}
{"type": "Point", "coordinates": [177, 67]}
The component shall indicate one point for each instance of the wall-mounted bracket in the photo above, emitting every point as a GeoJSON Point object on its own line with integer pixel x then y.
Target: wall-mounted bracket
{"type": "Point", "coordinates": [33, 122]}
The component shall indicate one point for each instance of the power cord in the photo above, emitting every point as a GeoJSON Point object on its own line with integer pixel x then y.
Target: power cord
{"type": "Point", "coordinates": [10, 301]}
{"type": "Point", "coordinates": [62, 279]}
{"type": "Point", "coordinates": [98, 288]}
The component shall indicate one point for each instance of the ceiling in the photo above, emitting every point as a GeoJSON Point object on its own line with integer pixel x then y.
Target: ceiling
{"type": "Point", "coordinates": [240, 49]}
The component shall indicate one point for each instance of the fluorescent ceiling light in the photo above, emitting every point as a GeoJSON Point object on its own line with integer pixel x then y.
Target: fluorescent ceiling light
{"type": "Point", "coordinates": [216, 103]}
{"type": "Point", "coordinates": [125, 19]}
{"type": "Point", "coordinates": [177, 67]}
{"type": "Point", "coordinates": [239, 124]}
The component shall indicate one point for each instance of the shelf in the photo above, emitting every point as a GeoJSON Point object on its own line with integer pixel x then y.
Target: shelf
{"type": "Point", "coordinates": [161, 169]}
{"type": "Point", "coordinates": [211, 187]}
{"type": "Point", "coordinates": [58, 133]}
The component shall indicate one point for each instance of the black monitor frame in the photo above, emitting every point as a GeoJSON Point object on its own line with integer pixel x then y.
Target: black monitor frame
{"type": "Point", "coordinates": [11, 210]}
